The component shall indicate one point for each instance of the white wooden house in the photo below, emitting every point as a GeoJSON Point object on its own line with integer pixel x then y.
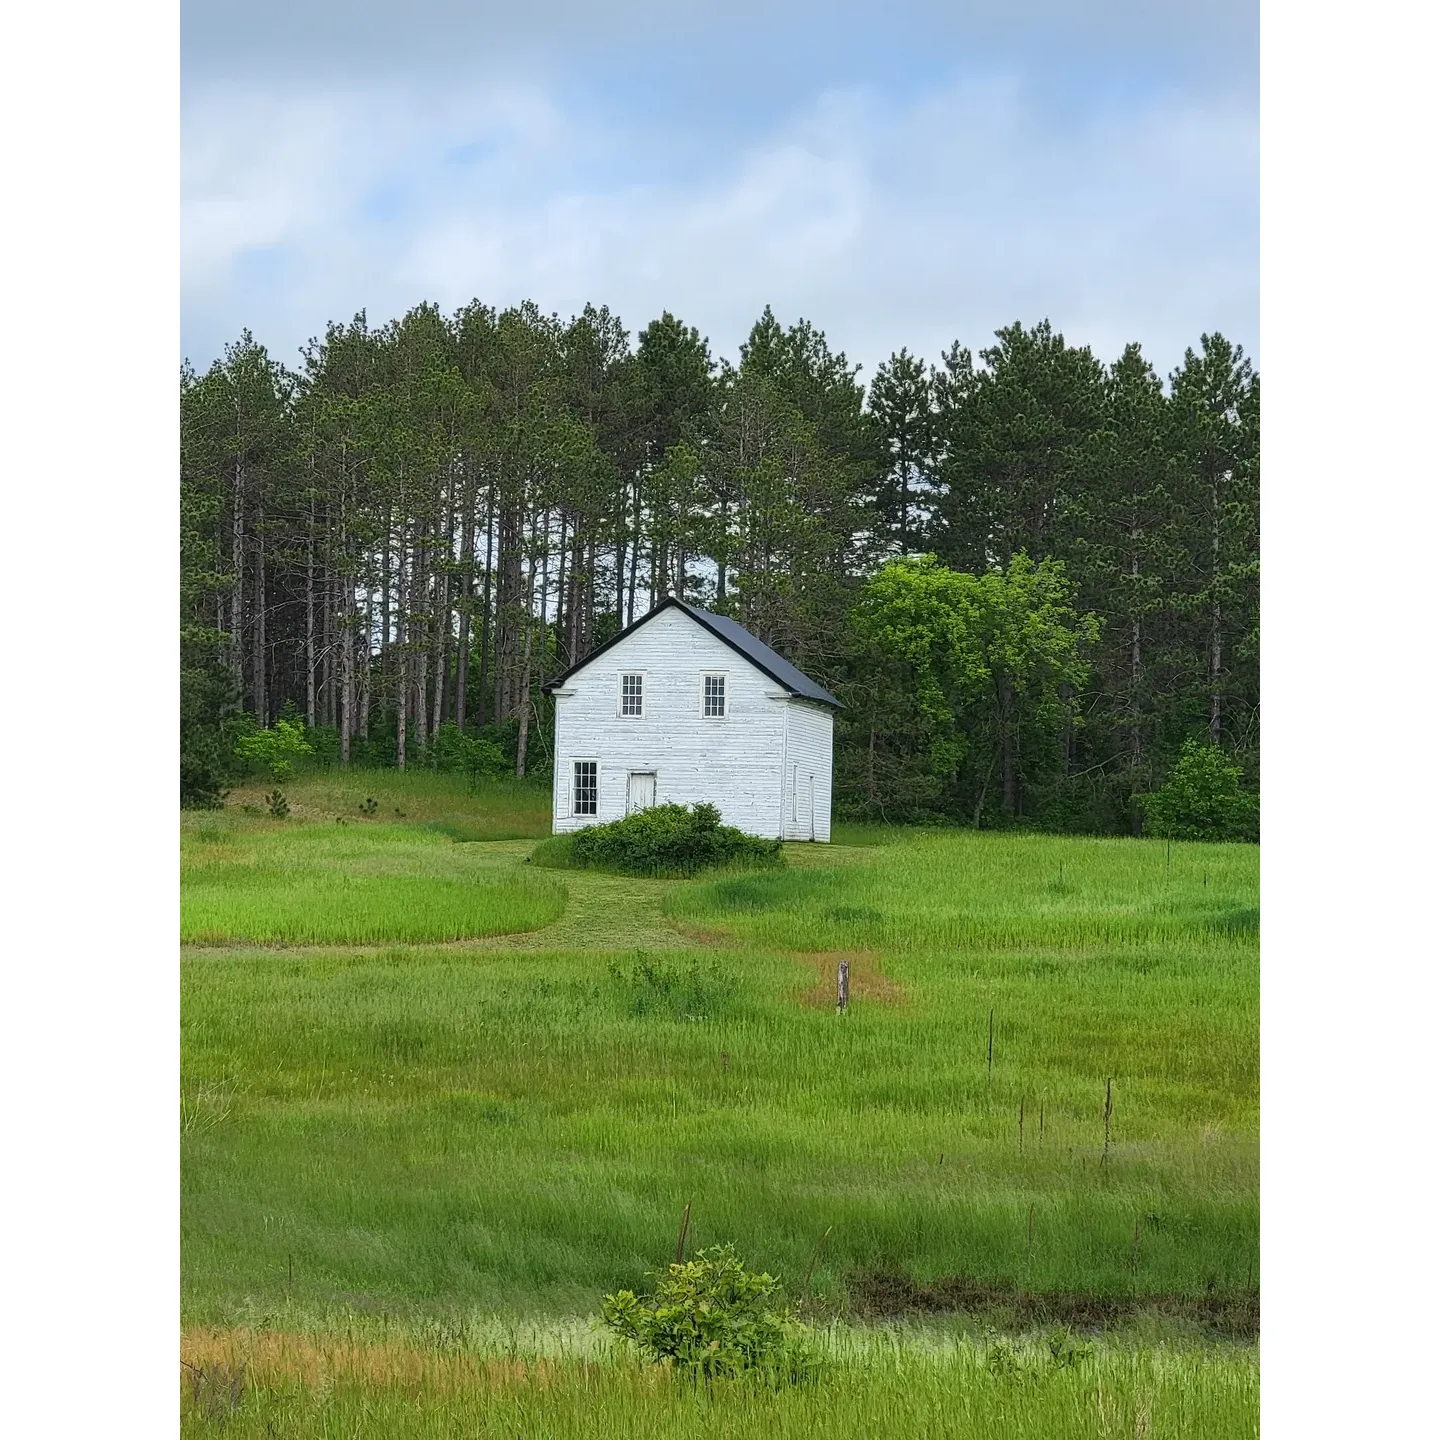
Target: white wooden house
{"type": "Point", "coordinates": [684, 706]}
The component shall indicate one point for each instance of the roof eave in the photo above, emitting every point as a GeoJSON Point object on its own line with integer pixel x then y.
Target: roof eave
{"type": "Point", "coordinates": [552, 685]}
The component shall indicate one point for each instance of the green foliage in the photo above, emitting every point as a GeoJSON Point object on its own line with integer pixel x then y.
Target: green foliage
{"type": "Point", "coordinates": [324, 741]}
{"type": "Point", "coordinates": [713, 1317]}
{"type": "Point", "coordinates": [974, 680]}
{"type": "Point", "coordinates": [697, 989]}
{"type": "Point", "coordinates": [452, 751]}
{"type": "Point", "coordinates": [1204, 799]}
{"type": "Point", "coordinates": [277, 747]}
{"type": "Point", "coordinates": [277, 805]}
{"type": "Point", "coordinates": [670, 840]}
{"type": "Point", "coordinates": [772, 488]}
{"type": "Point", "coordinates": [207, 758]}
{"type": "Point", "coordinates": [1009, 1364]}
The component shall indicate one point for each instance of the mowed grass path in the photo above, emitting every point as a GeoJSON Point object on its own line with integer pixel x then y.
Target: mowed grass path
{"type": "Point", "coordinates": [515, 1125]}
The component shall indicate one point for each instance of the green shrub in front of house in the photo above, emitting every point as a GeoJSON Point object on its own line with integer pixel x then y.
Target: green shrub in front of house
{"type": "Point", "coordinates": [663, 840]}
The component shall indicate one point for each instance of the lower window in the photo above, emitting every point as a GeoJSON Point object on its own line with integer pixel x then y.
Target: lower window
{"type": "Point", "coordinates": [587, 787]}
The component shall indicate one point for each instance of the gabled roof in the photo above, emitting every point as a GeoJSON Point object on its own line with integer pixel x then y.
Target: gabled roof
{"type": "Point", "coordinates": [735, 635]}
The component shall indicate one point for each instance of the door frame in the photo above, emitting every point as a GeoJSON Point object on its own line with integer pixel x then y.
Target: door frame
{"type": "Point", "coordinates": [630, 807]}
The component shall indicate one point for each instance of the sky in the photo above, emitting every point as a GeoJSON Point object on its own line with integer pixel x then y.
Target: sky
{"type": "Point", "coordinates": [900, 174]}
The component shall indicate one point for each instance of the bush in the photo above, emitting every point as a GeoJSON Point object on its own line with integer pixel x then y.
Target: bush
{"type": "Point", "coordinates": [452, 750]}
{"type": "Point", "coordinates": [277, 748]}
{"type": "Point", "coordinates": [669, 840]}
{"type": "Point", "coordinates": [207, 758]}
{"type": "Point", "coordinates": [711, 1316]}
{"type": "Point", "coordinates": [1204, 799]}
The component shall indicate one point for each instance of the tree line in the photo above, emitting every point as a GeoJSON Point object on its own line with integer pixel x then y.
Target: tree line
{"type": "Point", "coordinates": [1031, 575]}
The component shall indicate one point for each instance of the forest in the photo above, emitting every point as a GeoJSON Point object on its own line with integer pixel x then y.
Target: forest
{"type": "Point", "coordinates": [1030, 573]}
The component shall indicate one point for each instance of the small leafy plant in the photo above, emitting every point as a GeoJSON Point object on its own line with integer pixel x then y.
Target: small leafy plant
{"type": "Point", "coordinates": [277, 805]}
{"type": "Point", "coordinates": [670, 840]}
{"type": "Point", "coordinates": [277, 748]}
{"type": "Point", "coordinates": [1066, 1352]}
{"type": "Point", "coordinates": [1006, 1363]}
{"type": "Point", "coordinates": [710, 1317]}
{"type": "Point", "coordinates": [368, 807]}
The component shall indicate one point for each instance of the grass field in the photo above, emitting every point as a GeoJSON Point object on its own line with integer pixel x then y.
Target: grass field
{"type": "Point", "coordinates": [434, 1138]}
{"type": "Point", "coordinates": [893, 1382]}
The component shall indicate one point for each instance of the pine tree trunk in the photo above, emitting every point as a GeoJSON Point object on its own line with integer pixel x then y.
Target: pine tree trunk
{"type": "Point", "coordinates": [237, 587]}
{"type": "Point", "coordinates": [328, 651]}
{"type": "Point", "coordinates": [1215, 618]}
{"type": "Point", "coordinates": [442, 651]}
{"type": "Point", "coordinates": [467, 595]}
{"type": "Point", "coordinates": [620, 584]}
{"type": "Point", "coordinates": [402, 679]}
{"type": "Point", "coordinates": [587, 612]}
{"type": "Point", "coordinates": [1136, 742]}
{"type": "Point", "coordinates": [520, 744]}
{"type": "Point", "coordinates": [363, 726]}
{"type": "Point", "coordinates": [262, 709]}
{"type": "Point", "coordinates": [347, 674]}
{"type": "Point", "coordinates": [485, 626]}
{"type": "Point", "coordinates": [310, 619]}
{"type": "Point", "coordinates": [562, 550]}
{"type": "Point", "coordinates": [385, 589]}
{"type": "Point", "coordinates": [347, 633]}
{"type": "Point", "coordinates": [634, 556]}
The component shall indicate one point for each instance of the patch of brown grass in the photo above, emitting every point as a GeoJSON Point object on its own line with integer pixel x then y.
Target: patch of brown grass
{"type": "Point", "coordinates": [287, 1358]}
{"type": "Point", "coordinates": [867, 980]}
{"type": "Point", "coordinates": [713, 938]}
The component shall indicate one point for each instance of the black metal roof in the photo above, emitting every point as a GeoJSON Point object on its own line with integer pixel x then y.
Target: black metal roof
{"type": "Point", "coordinates": [736, 636]}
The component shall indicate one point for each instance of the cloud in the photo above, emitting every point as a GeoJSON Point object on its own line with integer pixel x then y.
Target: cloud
{"type": "Point", "coordinates": [306, 39]}
{"type": "Point", "coordinates": [886, 221]}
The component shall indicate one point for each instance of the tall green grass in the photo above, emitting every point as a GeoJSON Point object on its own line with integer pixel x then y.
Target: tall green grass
{"type": "Point", "coordinates": [884, 1384]}
{"type": "Point", "coordinates": [299, 883]}
{"type": "Point", "coordinates": [425, 1132]}
{"type": "Point", "coordinates": [971, 891]}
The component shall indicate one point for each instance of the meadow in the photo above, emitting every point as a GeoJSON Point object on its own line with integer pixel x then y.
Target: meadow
{"type": "Point", "coordinates": [485, 1099]}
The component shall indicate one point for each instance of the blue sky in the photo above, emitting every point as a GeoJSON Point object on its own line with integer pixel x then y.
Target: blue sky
{"type": "Point", "coordinates": [903, 174]}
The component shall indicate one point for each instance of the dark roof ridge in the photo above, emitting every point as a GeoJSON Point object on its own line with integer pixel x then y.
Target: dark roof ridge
{"type": "Point", "coordinates": [731, 633]}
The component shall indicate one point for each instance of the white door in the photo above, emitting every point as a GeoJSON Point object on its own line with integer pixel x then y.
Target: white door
{"type": "Point", "coordinates": [642, 791]}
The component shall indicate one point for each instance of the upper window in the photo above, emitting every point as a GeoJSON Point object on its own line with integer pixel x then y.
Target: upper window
{"type": "Point", "coordinates": [587, 788]}
{"type": "Point", "coordinates": [714, 695]}
{"type": "Point", "coordinates": [632, 694]}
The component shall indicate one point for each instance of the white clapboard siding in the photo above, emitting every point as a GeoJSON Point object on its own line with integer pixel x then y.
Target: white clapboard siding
{"type": "Point", "coordinates": [809, 743]}
{"type": "Point", "coordinates": [734, 762]}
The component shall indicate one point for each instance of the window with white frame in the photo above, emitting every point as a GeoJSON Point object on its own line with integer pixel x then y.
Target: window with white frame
{"type": "Point", "coordinates": [632, 694]}
{"type": "Point", "coordinates": [714, 696]}
{"type": "Point", "coordinates": [587, 787]}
